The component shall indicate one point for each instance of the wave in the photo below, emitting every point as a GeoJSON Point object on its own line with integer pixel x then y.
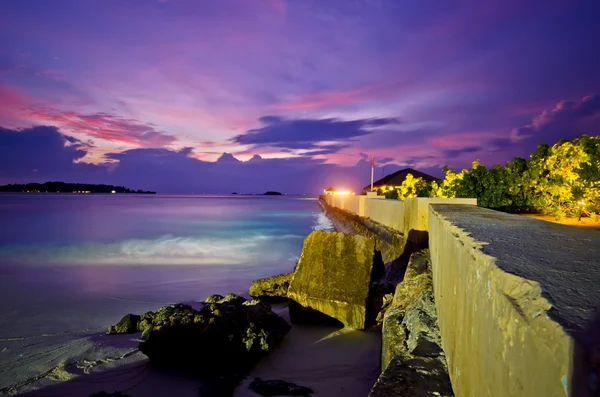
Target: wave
{"type": "Point", "coordinates": [258, 248]}
{"type": "Point", "coordinates": [322, 222]}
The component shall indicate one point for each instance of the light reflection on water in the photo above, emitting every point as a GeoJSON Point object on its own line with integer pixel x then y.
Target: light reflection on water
{"type": "Point", "coordinates": [68, 256]}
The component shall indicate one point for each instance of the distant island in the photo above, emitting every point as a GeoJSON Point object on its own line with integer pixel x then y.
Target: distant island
{"type": "Point", "coordinates": [62, 187]}
{"type": "Point", "coordinates": [269, 193]}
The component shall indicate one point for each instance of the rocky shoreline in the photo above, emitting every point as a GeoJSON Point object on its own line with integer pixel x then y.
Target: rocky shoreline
{"type": "Point", "coordinates": [360, 277]}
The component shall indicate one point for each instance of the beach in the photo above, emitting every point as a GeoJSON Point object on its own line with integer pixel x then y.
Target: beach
{"type": "Point", "coordinates": [61, 289]}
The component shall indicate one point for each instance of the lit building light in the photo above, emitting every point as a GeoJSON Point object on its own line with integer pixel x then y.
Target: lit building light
{"type": "Point", "coordinates": [114, 191]}
{"type": "Point", "coordinates": [342, 193]}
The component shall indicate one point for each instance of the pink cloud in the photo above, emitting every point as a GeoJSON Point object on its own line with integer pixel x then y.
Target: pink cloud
{"type": "Point", "coordinates": [12, 103]}
{"type": "Point", "coordinates": [324, 99]}
{"type": "Point", "coordinates": [455, 141]}
{"type": "Point", "coordinates": [104, 126]}
{"type": "Point", "coordinates": [567, 117]}
{"type": "Point", "coordinates": [11, 99]}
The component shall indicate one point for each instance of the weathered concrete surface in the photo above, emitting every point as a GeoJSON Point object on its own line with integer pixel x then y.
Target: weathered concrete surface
{"type": "Point", "coordinates": [517, 301]}
{"type": "Point", "coordinates": [334, 274]}
{"type": "Point", "coordinates": [416, 216]}
{"type": "Point", "coordinates": [387, 212]}
{"type": "Point", "coordinates": [271, 287]}
{"type": "Point", "coordinates": [388, 241]}
{"type": "Point", "coordinates": [409, 217]}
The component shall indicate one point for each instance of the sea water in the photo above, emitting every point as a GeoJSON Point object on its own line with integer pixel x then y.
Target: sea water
{"type": "Point", "coordinates": [71, 264]}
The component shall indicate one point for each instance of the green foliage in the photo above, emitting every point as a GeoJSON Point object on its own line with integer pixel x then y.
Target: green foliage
{"type": "Point", "coordinates": [562, 180]}
{"type": "Point", "coordinates": [411, 187]}
{"type": "Point", "coordinates": [389, 194]}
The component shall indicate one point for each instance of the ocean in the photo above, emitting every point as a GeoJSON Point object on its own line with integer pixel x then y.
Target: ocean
{"type": "Point", "coordinates": [71, 264]}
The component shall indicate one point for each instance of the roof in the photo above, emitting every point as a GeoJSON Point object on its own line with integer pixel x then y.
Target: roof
{"type": "Point", "coordinates": [331, 189]}
{"type": "Point", "coordinates": [398, 177]}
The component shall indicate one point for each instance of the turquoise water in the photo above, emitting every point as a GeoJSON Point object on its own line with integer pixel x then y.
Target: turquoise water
{"type": "Point", "coordinates": [115, 229]}
{"type": "Point", "coordinates": [69, 254]}
{"type": "Point", "coordinates": [70, 265]}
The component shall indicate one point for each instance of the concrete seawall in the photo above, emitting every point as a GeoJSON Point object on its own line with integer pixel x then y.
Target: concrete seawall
{"type": "Point", "coordinates": [409, 217]}
{"type": "Point", "coordinates": [516, 299]}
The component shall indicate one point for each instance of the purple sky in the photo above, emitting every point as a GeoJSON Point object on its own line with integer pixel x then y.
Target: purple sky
{"type": "Point", "coordinates": [151, 93]}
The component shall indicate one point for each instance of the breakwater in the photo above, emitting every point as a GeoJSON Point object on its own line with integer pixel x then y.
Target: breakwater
{"type": "Point", "coordinates": [517, 299]}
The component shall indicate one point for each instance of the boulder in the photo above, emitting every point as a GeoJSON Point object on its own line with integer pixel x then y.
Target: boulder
{"type": "Point", "coordinates": [417, 282]}
{"type": "Point", "coordinates": [416, 377]}
{"type": "Point", "coordinates": [127, 325]}
{"type": "Point", "coordinates": [145, 322]}
{"type": "Point", "coordinates": [334, 274]}
{"type": "Point", "coordinates": [218, 342]}
{"type": "Point", "coordinates": [387, 301]}
{"type": "Point", "coordinates": [213, 298]}
{"type": "Point", "coordinates": [269, 388]}
{"type": "Point", "coordinates": [412, 357]}
{"type": "Point", "coordinates": [271, 287]}
{"type": "Point", "coordinates": [232, 298]}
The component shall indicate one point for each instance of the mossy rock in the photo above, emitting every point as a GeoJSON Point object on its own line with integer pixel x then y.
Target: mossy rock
{"type": "Point", "coordinates": [127, 325]}
{"type": "Point", "coordinates": [146, 321]}
{"type": "Point", "coordinates": [334, 275]}
{"type": "Point", "coordinates": [274, 288]}
{"type": "Point", "coordinates": [232, 298]}
{"type": "Point", "coordinates": [218, 341]}
{"type": "Point", "coordinates": [213, 298]}
{"type": "Point", "coordinates": [410, 324]}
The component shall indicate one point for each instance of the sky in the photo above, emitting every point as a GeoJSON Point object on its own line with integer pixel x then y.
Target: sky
{"type": "Point", "coordinates": [211, 96]}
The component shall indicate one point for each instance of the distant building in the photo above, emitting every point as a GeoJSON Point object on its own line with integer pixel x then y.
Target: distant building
{"type": "Point", "coordinates": [330, 191]}
{"type": "Point", "coordinates": [394, 181]}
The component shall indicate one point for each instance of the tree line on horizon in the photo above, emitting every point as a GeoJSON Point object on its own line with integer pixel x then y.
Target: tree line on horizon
{"type": "Point", "coordinates": [63, 187]}
{"type": "Point", "coordinates": [562, 180]}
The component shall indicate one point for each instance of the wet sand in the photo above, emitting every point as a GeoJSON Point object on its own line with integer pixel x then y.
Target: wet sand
{"type": "Point", "coordinates": [331, 361]}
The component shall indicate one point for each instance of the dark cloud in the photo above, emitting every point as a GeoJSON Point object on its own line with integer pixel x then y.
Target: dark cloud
{"type": "Point", "coordinates": [227, 158]}
{"type": "Point", "coordinates": [500, 142]}
{"type": "Point", "coordinates": [43, 153]}
{"type": "Point", "coordinates": [309, 133]}
{"type": "Point", "coordinates": [454, 153]}
{"type": "Point", "coordinates": [39, 153]}
{"type": "Point", "coordinates": [327, 149]}
{"type": "Point", "coordinates": [567, 120]}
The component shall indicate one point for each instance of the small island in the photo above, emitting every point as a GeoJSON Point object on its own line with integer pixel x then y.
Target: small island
{"type": "Point", "coordinates": [270, 193]}
{"type": "Point", "coordinates": [62, 187]}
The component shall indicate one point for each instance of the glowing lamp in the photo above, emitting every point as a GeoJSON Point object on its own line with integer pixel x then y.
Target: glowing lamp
{"type": "Point", "coordinates": [342, 193]}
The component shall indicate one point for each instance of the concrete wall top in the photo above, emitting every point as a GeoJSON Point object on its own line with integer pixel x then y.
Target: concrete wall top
{"type": "Point", "coordinates": [409, 216]}
{"type": "Point", "coordinates": [565, 260]}
{"type": "Point", "coordinates": [416, 215]}
{"type": "Point", "coordinates": [517, 301]}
